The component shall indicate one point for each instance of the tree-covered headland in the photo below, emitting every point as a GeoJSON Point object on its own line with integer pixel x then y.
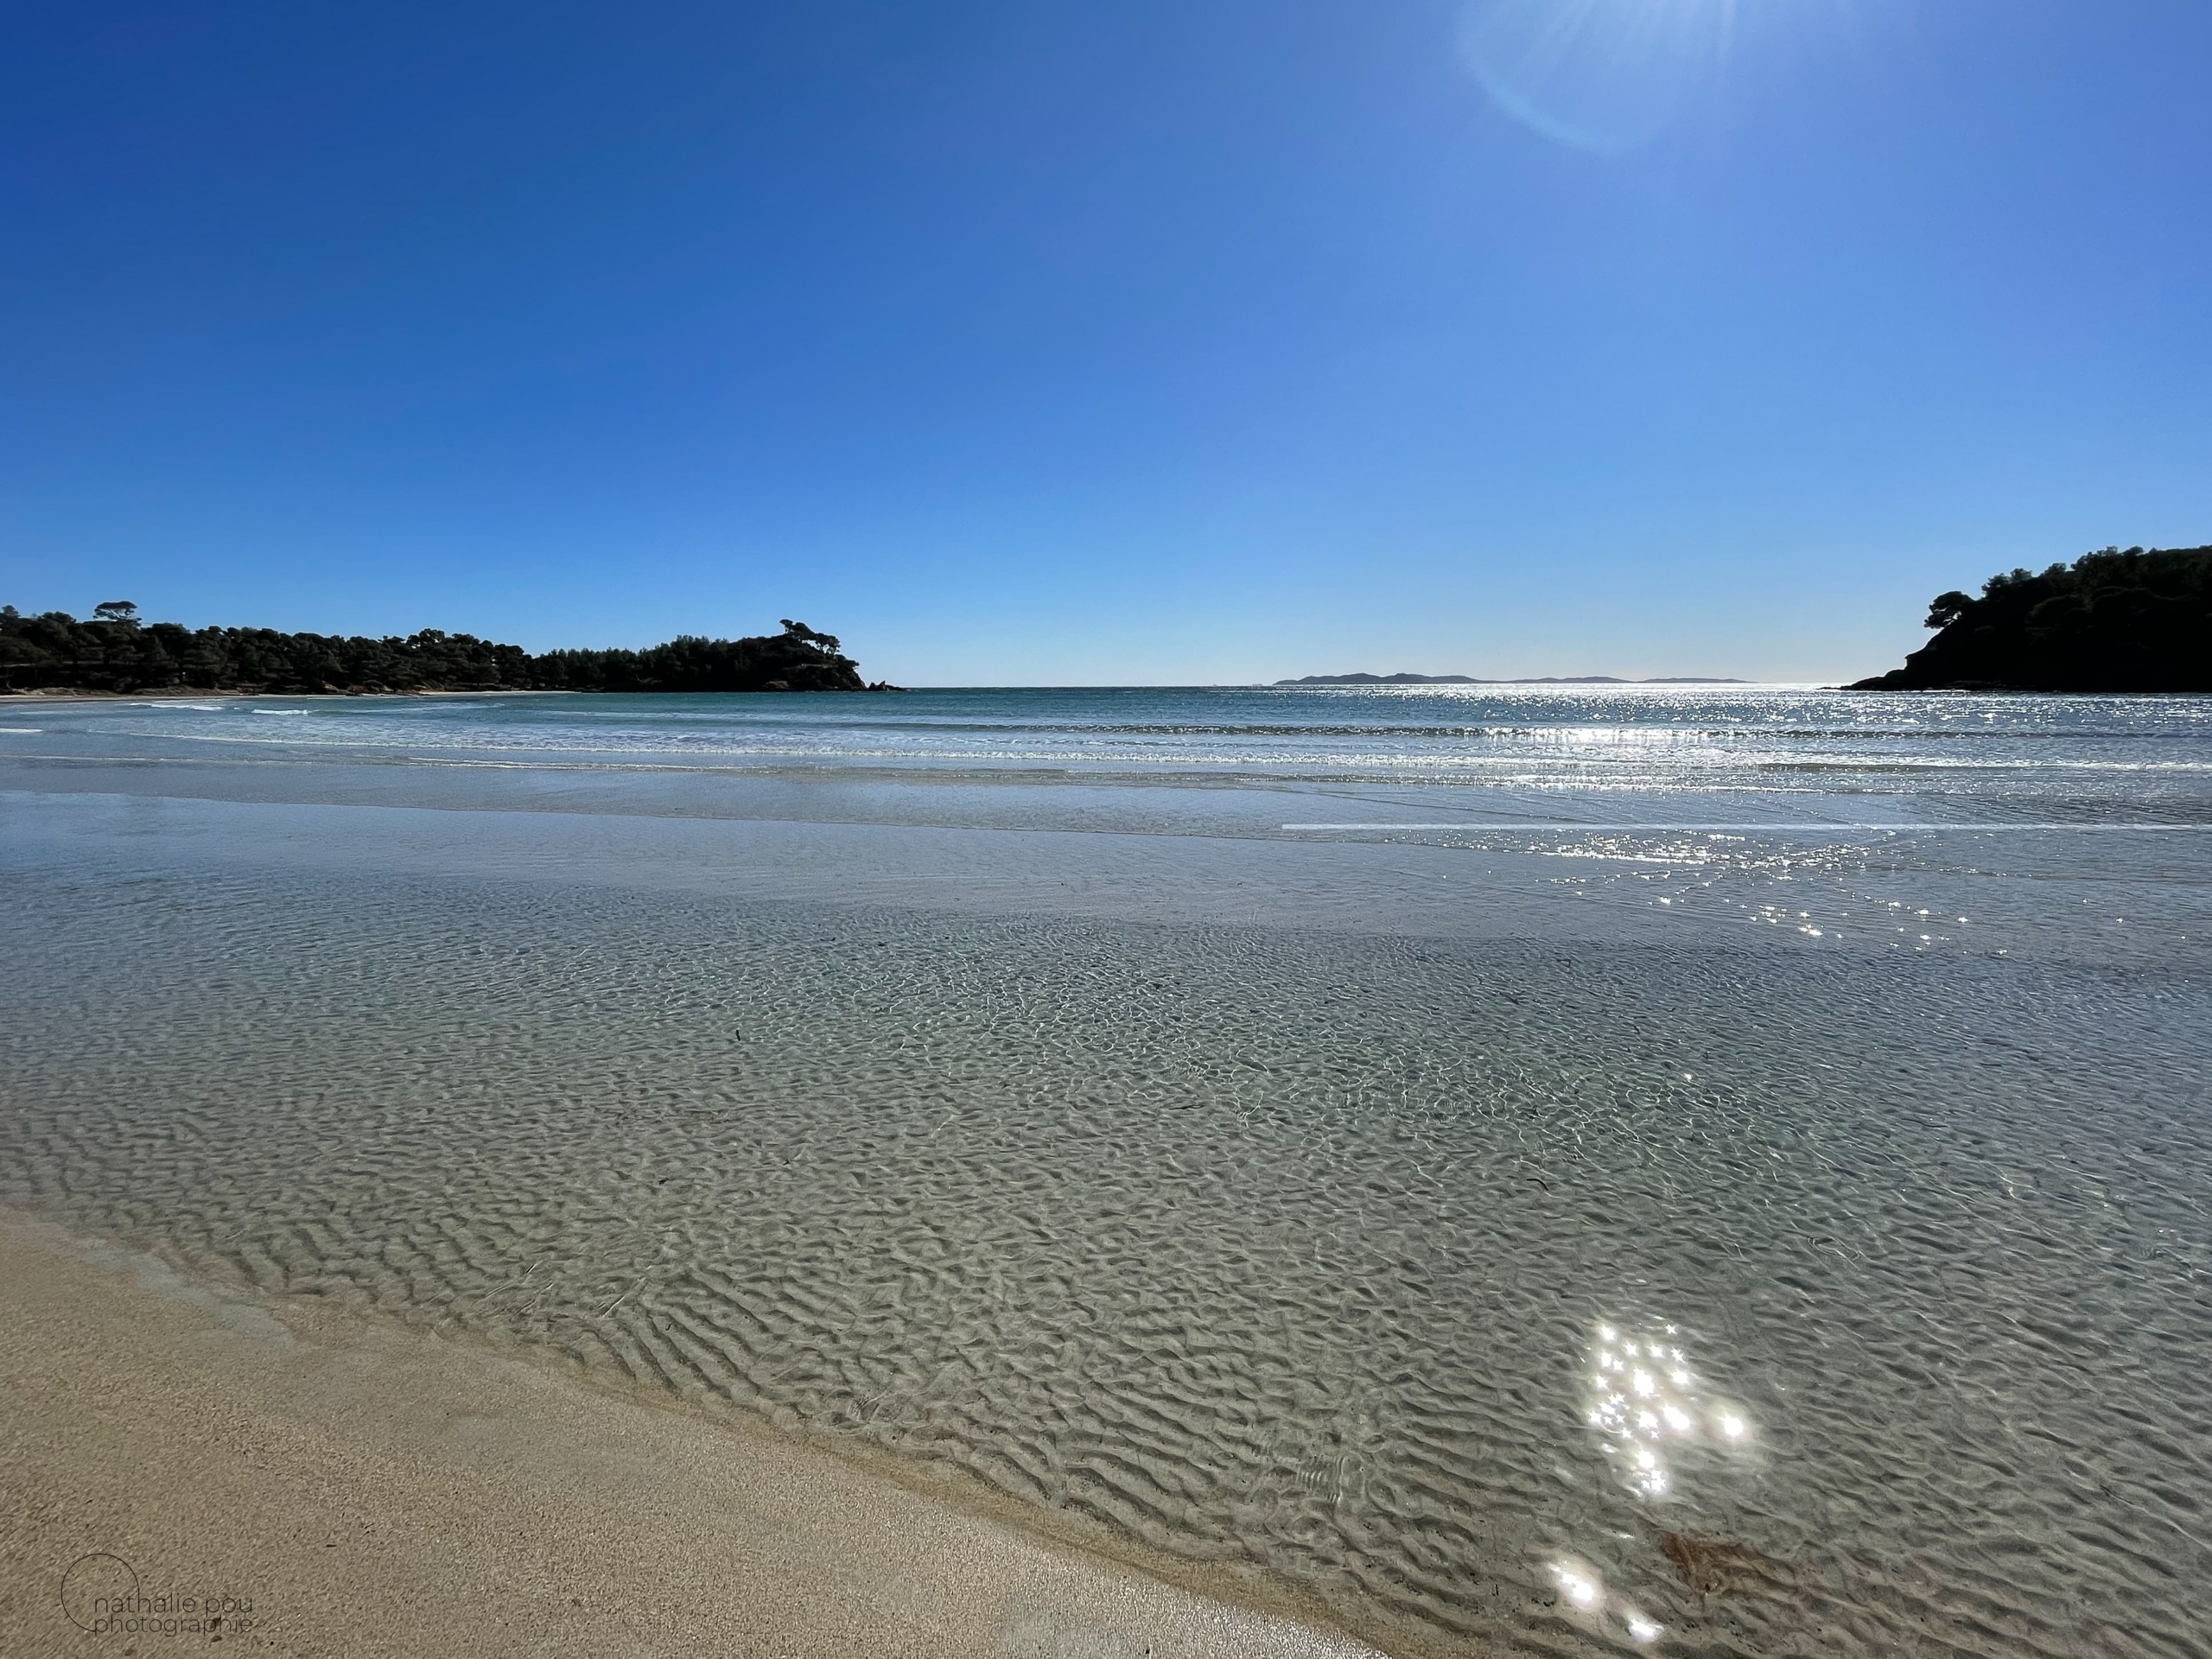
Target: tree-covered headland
{"type": "Point", "coordinates": [115, 652]}
{"type": "Point", "coordinates": [2138, 621]}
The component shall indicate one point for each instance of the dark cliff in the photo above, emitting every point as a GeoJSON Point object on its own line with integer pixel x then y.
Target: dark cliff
{"type": "Point", "coordinates": [2138, 621]}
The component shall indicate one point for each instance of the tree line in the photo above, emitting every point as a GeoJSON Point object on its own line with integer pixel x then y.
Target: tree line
{"type": "Point", "coordinates": [114, 650]}
{"type": "Point", "coordinates": [2133, 620]}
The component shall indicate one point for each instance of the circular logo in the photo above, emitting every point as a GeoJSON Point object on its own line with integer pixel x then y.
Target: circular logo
{"type": "Point", "coordinates": [94, 1585]}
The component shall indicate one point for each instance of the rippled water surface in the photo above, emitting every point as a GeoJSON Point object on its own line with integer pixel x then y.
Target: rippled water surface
{"type": "Point", "coordinates": [1626, 737]}
{"type": "Point", "coordinates": [1704, 1171]}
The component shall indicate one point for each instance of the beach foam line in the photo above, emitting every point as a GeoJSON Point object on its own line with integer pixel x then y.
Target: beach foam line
{"type": "Point", "coordinates": [1627, 829]}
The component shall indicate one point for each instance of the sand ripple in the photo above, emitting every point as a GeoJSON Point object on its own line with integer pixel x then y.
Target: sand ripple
{"type": "Point", "coordinates": [1272, 1248]}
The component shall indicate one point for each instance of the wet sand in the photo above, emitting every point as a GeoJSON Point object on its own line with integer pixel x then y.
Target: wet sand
{"type": "Point", "coordinates": [347, 1485]}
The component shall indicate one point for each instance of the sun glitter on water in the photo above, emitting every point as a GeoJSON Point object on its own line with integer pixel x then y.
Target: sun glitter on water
{"type": "Point", "coordinates": [1587, 1601]}
{"type": "Point", "coordinates": [1645, 1402]}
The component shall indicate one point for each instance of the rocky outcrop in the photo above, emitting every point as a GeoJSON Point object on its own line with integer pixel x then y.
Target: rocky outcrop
{"type": "Point", "coordinates": [2138, 621]}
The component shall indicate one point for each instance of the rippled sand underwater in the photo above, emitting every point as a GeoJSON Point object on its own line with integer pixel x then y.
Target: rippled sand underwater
{"type": "Point", "coordinates": [1385, 1263]}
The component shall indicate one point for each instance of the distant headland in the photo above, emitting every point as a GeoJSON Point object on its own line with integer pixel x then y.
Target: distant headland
{"type": "Point", "coordinates": [1469, 679]}
{"type": "Point", "coordinates": [2138, 621]}
{"type": "Point", "coordinates": [115, 652]}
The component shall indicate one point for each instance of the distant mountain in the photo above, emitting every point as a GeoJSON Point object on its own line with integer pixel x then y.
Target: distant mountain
{"type": "Point", "coordinates": [1469, 679]}
{"type": "Point", "coordinates": [2139, 620]}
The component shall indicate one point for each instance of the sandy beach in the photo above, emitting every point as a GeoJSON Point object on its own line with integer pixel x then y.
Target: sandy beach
{"type": "Point", "coordinates": [344, 1485]}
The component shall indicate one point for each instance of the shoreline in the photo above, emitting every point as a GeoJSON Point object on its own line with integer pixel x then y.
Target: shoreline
{"type": "Point", "coordinates": [372, 1487]}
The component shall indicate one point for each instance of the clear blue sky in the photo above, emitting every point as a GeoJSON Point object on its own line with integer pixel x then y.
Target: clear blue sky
{"type": "Point", "coordinates": [1141, 341]}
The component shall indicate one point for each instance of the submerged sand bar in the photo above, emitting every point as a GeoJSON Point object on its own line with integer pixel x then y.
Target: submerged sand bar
{"type": "Point", "coordinates": [371, 1490]}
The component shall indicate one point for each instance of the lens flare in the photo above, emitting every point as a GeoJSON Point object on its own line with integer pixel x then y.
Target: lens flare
{"type": "Point", "coordinates": [1602, 76]}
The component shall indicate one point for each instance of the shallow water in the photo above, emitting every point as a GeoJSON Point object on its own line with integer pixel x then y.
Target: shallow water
{"type": "Point", "coordinates": [1334, 1202]}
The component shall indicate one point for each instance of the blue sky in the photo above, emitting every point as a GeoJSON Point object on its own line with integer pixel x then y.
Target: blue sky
{"type": "Point", "coordinates": [1056, 342]}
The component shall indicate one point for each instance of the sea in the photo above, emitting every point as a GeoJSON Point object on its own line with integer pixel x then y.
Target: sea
{"type": "Point", "coordinates": [1706, 1169]}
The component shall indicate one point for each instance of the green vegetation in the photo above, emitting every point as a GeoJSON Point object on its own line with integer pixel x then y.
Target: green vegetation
{"type": "Point", "coordinates": [115, 652]}
{"type": "Point", "coordinates": [2112, 621]}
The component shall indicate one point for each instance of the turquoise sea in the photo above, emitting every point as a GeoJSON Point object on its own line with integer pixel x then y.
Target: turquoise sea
{"type": "Point", "coordinates": [1698, 1170]}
